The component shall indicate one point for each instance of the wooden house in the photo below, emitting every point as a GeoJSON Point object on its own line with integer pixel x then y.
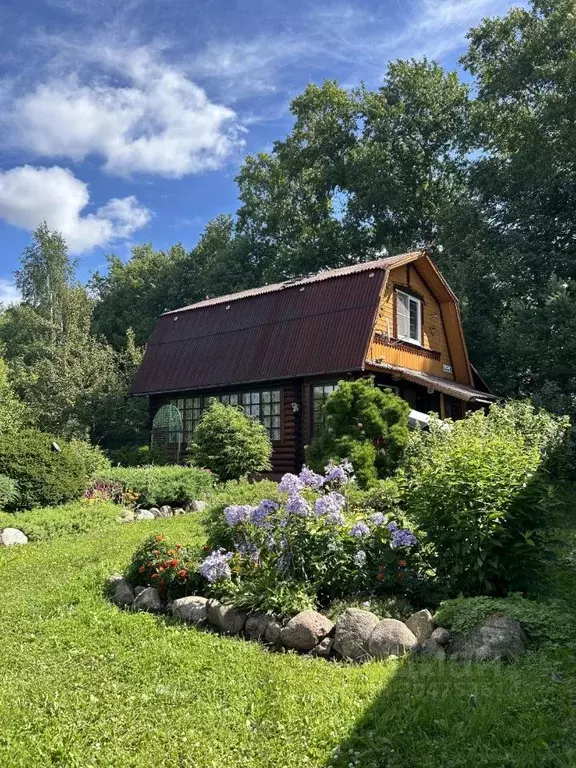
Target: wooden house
{"type": "Point", "coordinates": [279, 350]}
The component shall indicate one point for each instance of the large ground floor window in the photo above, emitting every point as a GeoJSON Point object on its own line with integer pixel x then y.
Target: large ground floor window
{"type": "Point", "coordinates": [264, 405]}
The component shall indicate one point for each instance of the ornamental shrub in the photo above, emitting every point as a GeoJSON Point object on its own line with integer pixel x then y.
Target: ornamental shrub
{"type": "Point", "coordinates": [172, 569]}
{"type": "Point", "coordinates": [139, 456]}
{"type": "Point", "coordinates": [8, 491]}
{"type": "Point", "coordinates": [44, 476]}
{"type": "Point", "coordinates": [94, 458]}
{"type": "Point", "coordinates": [364, 424]}
{"type": "Point", "coordinates": [154, 486]}
{"type": "Point", "coordinates": [480, 493]}
{"type": "Point", "coordinates": [229, 443]}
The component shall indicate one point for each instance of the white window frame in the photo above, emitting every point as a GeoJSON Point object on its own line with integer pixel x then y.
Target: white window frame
{"type": "Point", "coordinates": [418, 303]}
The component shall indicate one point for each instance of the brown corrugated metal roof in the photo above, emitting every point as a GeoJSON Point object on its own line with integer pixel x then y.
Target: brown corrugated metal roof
{"type": "Point", "coordinates": [298, 328]}
{"type": "Point", "coordinates": [446, 386]}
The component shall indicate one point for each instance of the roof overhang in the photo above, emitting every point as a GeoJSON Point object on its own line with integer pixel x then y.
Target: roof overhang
{"type": "Point", "coordinates": [437, 383]}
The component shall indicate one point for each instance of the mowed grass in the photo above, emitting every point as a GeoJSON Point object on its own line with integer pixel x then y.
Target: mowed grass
{"type": "Point", "coordinates": [83, 683]}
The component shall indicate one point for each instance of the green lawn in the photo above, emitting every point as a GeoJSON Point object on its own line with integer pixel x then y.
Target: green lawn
{"type": "Point", "coordinates": [85, 684]}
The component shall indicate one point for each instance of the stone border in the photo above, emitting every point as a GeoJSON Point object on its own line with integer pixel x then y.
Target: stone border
{"type": "Point", "coordinates": [357, 636]}
{"type": "Point", "coordinates": [135, 515]}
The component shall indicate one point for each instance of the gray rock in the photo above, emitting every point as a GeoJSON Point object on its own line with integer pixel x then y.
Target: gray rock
{"type": "Point", "coordinates": [323, 649]}
{"type": "Point", "coordinates": [256, 625]}
{"type": "Point", "coordinates": [127, 516]}
{"type": "Point", "coordinates": [421, 625]}
{"type": "Point", "coordinates": [192, 609]}
{"type": "Point", "coordinates": [148, 600]}
{"type": "Point", "coordinates": [179, 511]}
{"type": "Point", "coordinates": [144, 514]}
{"type": "Point", "coordinates": [353, 630]}
{"type": "Point", "coordinates": [11, 536]}
{"type": "Point", "coordinates": [306, 630]}
{"type": "Point", "coordinates": [273, 630]}
{"type": "Point", "coordinates": [391, 637]}
{"type": "Point", "coordinates": [433, 650]}
{"type": "Point", "coordinates": [139, 589]}
{"type": "Point", "coordinates": [498, 637]}
{"type": "Point", "coordinates": [198, 506]}
{"type": "Point", "coordinates": [441, 635]}
{"type": "Point", "coordinates": [226, 617]}
{"type": "Point", "coordinates": [165, 511]}
{"type": "Point", "coordinates": [122, 592]}
{"type": "Point", "coordinates": [155, 512]}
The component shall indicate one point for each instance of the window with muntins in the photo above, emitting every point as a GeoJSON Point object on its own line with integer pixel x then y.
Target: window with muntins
{"type": "Point", "coordinates": [320, 393]}
{"type": "Point", "coordinates": [408, 318]}
{"type": "Point", "coordinates": [262, 405]}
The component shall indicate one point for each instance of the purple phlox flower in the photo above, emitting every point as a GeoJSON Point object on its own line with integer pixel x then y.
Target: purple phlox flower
{"type": "Point", "coordinates": [378, 518]}
{"type": "Point", "coordinates": [215, 567]}
{"type": "Point", "coordinates": [260, 513]}
{"type": "Point", "coordinates": [290, 484]}
{"type": "Point", "coordinates": [360, 529]}
{"type": "Point", "coordinates": [339, 473]}
{"type": "Point", "coordinates": [331, 502]}
{"type": "Point", "coordinates": [310, 478]}
{"type": "Point", "coordinates": [392, 527]}
{"type": "Point", "coordinates": [335, 518]}
{"type": "Point", "coordinates": [360, 558]}
{"type": "Point", "coordinates": [403, 538]}
{"type": "Point", "coordinates": [297, 505]}
{"type": "Point", "coordinates": [237, 514]}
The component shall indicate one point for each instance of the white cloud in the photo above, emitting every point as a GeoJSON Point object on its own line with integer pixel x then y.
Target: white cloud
{"type": "Point", "coordinates": [29, 195]}
{"type": "Point", "coordinates": [143, 116]}
{"type": "Point", "coordinates": [9, 294]}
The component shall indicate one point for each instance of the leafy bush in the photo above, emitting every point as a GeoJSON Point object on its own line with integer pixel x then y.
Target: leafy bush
{"type": "Point", "coordinates": [139, 456]}
{"type": "Point", "coordinates": [8, 491]}
{"type": "Point", "coordinates": [154, 486]}
{"type": "Point", "coordinates": [230, 443]}
{"type": "Point", "coordinates": [74, 518]}
{"type": "Point", "coordinates": [171, 569]}
{"type": "Point", "coordinates": [364, 424]}
{"type": "Point", "coordinates": [548, 624]}
{"type": "Point", "coordinates": [94, 458]}
{"type": "Point", "coordinates": [45, 477]}
{"type": "Point", "coordinates": [479, 492]}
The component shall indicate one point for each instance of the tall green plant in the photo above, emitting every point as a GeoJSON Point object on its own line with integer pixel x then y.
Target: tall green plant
{"type": "Point", "coordinates": [364, 424]}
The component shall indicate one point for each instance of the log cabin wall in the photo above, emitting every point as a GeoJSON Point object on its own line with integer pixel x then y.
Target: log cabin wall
{"type": "Point", "coordinates": [433, 356]}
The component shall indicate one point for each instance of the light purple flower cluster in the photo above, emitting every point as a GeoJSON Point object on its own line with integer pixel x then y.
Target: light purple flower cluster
{"type": "Point", "coordinates": [392, 527]}
{"type": "Point", "coordinates": [259, 514]}
{"type": "Point", "coordinates": [335, 518]}
{"type": "Point", "coordinates": [402, 537]}
{"type": "Point", "coordinates": [339, 473]}
{"type": "Point", "coordinates": [360, 529]}
{"type": "Point", "coordinates": [297, 505]}
{"type": "Point", "coordinates": [215, 567]}
{"type": "Point", "coordinates": [310, 478]}
{"type": "Point", "coordinates": [290, 484]}
{"type": "Point", "coordinates": [330, 503]}
{"type": "Point", "coordinates": [237, 514]}
{"type": "Point", "coordinates": [360, 558]}
{"type": "Point", "coordinates": [378, 518]}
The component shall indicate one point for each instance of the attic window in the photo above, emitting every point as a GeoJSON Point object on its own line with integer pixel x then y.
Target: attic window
{"type": "Point", "coordinates": [408, 318]}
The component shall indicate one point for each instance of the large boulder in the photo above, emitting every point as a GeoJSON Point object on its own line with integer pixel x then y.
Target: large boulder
{"type": "Point", "coordinates": [421, 625]}
{"type": "Point", "coordinates": [11, 536]}
{"type": "Point", "coordinates": [122, 592]}
{"type": "Point", "coordinates": [256, 625]}
{"type": "Point", "coordinates": [391, 637]}
{"type": "Point", "coordinates": [155, 512]}
{"type": "Point", "coordinates": [497, 637]}
{"type": "Point", "coordinates": [441, 636]}
{"type": "Point", "coordinates": [353, 630]}
{"type": "Point", "coordinates": [227, 618]}
{"type": "Point", "coordinates": [165, 511]}
{"type": "Point", "coordinates": [273, 633]}
{"type": "Point", "coordinates": [148, 600]}
{"type": "Point", "coordinates": [433, 650]}
{"type": "Point", "coordinates": [193, 609]}
{"type": "Point", "coordinates": [306, 630]}
{"type": "Point", "coordinates": [144, 514]}
{"type": "Point", "coordinates": [198, 506]}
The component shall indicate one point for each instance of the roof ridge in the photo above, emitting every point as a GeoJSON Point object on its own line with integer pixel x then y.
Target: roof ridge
{"type": "Point", "coordinates": [382, 263]}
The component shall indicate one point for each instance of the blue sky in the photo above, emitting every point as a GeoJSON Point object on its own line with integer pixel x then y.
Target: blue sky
{"type": "Point", "coordinates": [125, 121]}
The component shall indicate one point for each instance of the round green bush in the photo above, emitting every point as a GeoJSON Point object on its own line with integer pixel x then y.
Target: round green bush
{"type": "Point", "coordinates": [44, 476]}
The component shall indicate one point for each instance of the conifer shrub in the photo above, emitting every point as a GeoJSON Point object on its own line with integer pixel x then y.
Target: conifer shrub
{"type": "Point", "coordinates": [44, 474]}
{"type": "Point", "coordinates": [229, 443]}
{"type": "Point", "coordinates": [364, 424]}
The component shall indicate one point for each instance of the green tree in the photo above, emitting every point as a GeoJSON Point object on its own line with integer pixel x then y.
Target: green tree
{"type": "Point", "coordinates": [364, 424]}
{"type": "Point", "coordinates": [12, 410]}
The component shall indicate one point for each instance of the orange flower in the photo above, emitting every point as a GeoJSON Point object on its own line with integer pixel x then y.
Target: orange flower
{"type": "Point", "coordinates": [171, 552]}
{"type": "Point", "coordinates": [178, 546]}
{"type": "Point", "coordinates": [154, 575]}
{"type": "Point", "coordinates": [182, 573]}
{"type": "Point", "coordinates": [161, 568]}
{"type": "Point", "coordinates": [160, 537]}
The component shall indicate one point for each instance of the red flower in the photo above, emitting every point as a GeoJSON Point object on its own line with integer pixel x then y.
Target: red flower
{"type": "Point", "coordinates": [182, 573]}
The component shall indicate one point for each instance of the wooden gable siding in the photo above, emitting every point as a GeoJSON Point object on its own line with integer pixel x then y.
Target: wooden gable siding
{"type": "Point", "coordinates": [434, 353]}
